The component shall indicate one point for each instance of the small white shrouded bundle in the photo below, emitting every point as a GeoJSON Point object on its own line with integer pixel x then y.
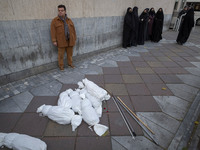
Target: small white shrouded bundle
{"type": "Point", "coordinates": [17, 141]}
{"type": "Point", "coordinates": [64, 99]}
{"type": "Point", "coordinates": [95, 90]}
{"type": "Point", "coordinates": [76, 121]}
{"type": "Point", "coordinates": [76, 101]}
{"type": "Point", "coordinates": [59, 114]}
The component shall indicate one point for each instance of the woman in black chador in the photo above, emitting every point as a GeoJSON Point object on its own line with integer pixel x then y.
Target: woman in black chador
{"type": "Point", "coordinates": [158, 26]}
{"type": "Point", "coordinates": [150, 23]}
{"type": "Point", "coordinates": [186, 27]}
{"type": "Point", "coordinates": [128, 27]}
{"type": "Point", "coordinates": [135, 27]}
{"type": "Point", "coordinates": [143, 19]}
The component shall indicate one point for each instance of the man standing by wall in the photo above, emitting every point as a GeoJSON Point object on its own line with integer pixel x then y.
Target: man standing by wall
{"type": "Point", "coordinates": [63, 35]}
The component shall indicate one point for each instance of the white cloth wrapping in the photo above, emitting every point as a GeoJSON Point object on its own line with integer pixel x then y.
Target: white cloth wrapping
{"type": "Point", "coordinates": [100, 129]}
{"type": "Point", "coordinates": [76, 121]}
{"type": "Point", "coordinates": [17, 141]}
{"type": "Point", "coordinates": [94, 100]}
{"type": "Point", "coordinates": [64, 99]}
{"type": "Point", "coordinates": [95, 90]}
{"type": "Point", "coordinates": [59, 114]}
{"type": "Point", "coordinates": [76, 101]}
{"type": "Point", "coordinates": [88, 113]}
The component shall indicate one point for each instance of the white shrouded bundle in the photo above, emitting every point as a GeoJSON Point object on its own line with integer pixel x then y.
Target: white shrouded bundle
{"type": "Point", "coordinates": [91, 117]}
{"type": "Point", "coordinates": [76, 101]}
{"type": "Point", "coordinates": [64, 99]}
{"type": "Point", "coordinates": [17, 141]}
{"type": "Point", "coordinates": [95, 90]}
{"type": "Point", "coordinates": [88, 113]}
{"type": "Point", "coordinates": [59, 114]}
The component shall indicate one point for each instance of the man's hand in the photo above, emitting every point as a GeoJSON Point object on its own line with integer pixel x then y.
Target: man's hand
{"type": "Point", "coordinates": [55, 44]}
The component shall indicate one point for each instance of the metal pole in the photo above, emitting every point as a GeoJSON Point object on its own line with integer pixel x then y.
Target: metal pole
{"type": "Point", "coordinates": [140, 123]}
{"type": "Point", "coordinates": [124, 118]}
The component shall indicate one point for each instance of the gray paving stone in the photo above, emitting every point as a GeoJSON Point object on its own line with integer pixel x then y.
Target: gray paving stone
{"type": "Point", "coordinates": [121, 58]}
{"type": "Point", "coordinates": [127, 143]}
{"type": "Point", "coordinates": [90, 69]}
{"type": "Point", "coordinates": [196, 64]}
{"type": "Point", "coordinates": [42, 91]}
{"type": "Point", "coordinates": [163, 120]}
{"type": "Point", "coordinates": [107, 63]}
{"type": "Point", "coordinates": [159, 132]}
{"type": "Point", "coordinates": [23, 100]}
{"type": "Point", "coordinates": [54, 86]}
{"type": "Point", "coordinates": [183, 91]}
{"type": "Point", "coordinates": [173, 100]}
{"type": "Point", "coordinates": [9, 106]}
{"type": "Point", "coordinates": [193, 70]}
{"type": "Point", "coordinates": [116, 145]}
{"type": "Point", "coordinates": [190, 80]}
{"type": "Point", "coordinates": [170, 109]}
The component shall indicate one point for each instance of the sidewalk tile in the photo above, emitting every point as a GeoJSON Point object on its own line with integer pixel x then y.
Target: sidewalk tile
{"type": "Point", "coordinates": [124, 64]}
{"type": "Point", "coordinates": [93, 143]}
{"type": "Point", "coordinates": [31, 124]}
{"type": "Point", "coordinates": [8, 121]}
{"type": "Point", "coordinates": [55, 129]}
{"type": "Point", "coordinates": [144, 104]}
{"type": "Point", "coordinates": [95, 78]}
{"type": "Point", "coordinates": [170, 64]}
{"type": "Point", "coordinates": [170, 79]}
{"type": "Point", "coordinates": [60, 143]}
{"type": "Point", "coordinates": [140, 64]}
{"type": "Point", "coordinates": [128, 70]}
{"type": "Point", "coordinates": [118, 126]}
{"type": "Point", "coordinates": [145, 70]}
{"type": "Point", "coordinates": [112, 106]}
{"type": "Point", "coordinates": [164, 59]}
{"type": "Point", "coordinates": [132, 79]}
{"type": "Point", "coordinates": [178, 70]}
{"type": "Point", "coordinates": [111, 70]}
{"type": "Point", "coordinates": [136, 59]}
{"type": "Point", "coordinates": [151, 79]}
{"type": "Point", "coordinates": [159, 90]}
{"type": "Point", "coordinates": [116, 89]}
{"type": "Point", "coordinates": [155, 64]}
{"type": "Point", "coordinates": [37, 101]}
{"type": "Point", "coordinates": [137, 89]}
{"type": "Point", "coordinates": [162, 70]}
{"type": "Point", "coordinates": [149, 58]}
{"type": "Point", "coordinates": [68, 86]}
{"type": "Point", "coordinates": [113, 79]}
{"type": "Point", "coordinates": [185, 64]}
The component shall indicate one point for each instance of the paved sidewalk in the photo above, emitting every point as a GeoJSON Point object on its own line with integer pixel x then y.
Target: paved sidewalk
{"type": "Point", "coordinates": [158, 81]}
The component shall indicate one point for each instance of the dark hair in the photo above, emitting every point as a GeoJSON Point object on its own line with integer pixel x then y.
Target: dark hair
{"type": "Point", "coordinates": [62, 6]}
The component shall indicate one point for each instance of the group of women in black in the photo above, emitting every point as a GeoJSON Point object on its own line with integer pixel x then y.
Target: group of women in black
{"type": "Point", "coordinates": [138, 29]}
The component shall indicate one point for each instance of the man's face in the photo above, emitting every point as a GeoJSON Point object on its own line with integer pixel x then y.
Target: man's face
{"type": "Point", "coordinates": [61, 12]}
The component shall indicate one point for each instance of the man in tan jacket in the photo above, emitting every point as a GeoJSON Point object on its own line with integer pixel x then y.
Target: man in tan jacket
{"type": "Point", "coordinates": [63, 35]}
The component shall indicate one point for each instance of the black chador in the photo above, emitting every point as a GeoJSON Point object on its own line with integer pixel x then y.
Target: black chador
{"type": "Point", "coordinates": [128, 27]}
{"type": "Point", "coordinates": [143, 19]}
{"type": "Point", "coordinates": [150, 22]}
{"type": "Point", "coordinates": [158, 26]}
{"type": "Point", "coordinates": [186, 27]}
{"type": "Point", "coordinates": [135, 27]}
{"type": "Point", "coordinates": [146, 37]}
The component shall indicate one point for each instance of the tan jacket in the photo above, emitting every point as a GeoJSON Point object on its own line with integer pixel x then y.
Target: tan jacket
{"type": "Point", "coordinates": [58, 32]}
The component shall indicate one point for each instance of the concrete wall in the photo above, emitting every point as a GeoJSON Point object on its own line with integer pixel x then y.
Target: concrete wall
{"type": "Point", "coordinates": [25, 44]}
